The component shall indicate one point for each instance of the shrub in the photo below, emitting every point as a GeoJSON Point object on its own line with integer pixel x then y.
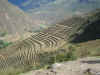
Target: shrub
{"type": "Point", "coordinates": [4, 44]}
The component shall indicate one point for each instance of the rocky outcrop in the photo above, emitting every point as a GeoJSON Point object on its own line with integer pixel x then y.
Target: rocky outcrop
{"type": "Point", "coordinates": [85, 66]}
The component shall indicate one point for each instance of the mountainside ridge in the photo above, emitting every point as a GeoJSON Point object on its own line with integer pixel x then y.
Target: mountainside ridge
{"type": "Point", "coordinates": [13, 20]}
{"type": "Point", "coordinates": [30, 51]}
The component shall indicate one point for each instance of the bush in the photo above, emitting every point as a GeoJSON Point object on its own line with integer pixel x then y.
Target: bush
{"type": "Point", "coordinates": [4, 44]}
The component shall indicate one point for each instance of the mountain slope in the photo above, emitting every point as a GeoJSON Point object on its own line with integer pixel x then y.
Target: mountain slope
{"type": "Point", "coordinates": [13, 20]}
{"type": "Point", "coordinates": [61, 9]}
{"type": "Point", "coordinates": [35, 50]}
{"type": "Point", "coordinates": [29, 4]}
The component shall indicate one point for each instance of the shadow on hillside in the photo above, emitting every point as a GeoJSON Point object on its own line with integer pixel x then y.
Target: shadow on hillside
{"type": "Point", "coordinates": [91, 32]}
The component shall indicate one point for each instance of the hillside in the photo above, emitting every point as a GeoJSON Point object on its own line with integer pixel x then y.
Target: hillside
{"type": "Point", "coordinates": [61, 9]}
{"type": "Point", "coordinates": [89, 30]}
{"type": "Point", "coordinates": [55, 44]}
{"type": "Point", "coordinates": [13, 20]}
{"type": "Point", "coordinates": [83, 66]}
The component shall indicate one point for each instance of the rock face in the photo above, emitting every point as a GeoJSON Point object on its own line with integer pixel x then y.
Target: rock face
{"type": "Point", "coordinates": [13, 20]}
{"type": "Point", "coordinates": [85, 66]}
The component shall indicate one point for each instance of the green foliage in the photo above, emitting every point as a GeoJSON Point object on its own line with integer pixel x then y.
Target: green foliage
{"type": "Point", "coordinates": [66, 55]}
{"type": "Point", "coordinates": [60, 55]}
{"type": "Point", "coordinates": [71, 54]}
{"type": "Point", "coordinates": [4, 44]}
